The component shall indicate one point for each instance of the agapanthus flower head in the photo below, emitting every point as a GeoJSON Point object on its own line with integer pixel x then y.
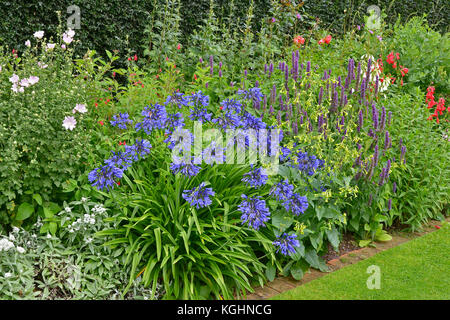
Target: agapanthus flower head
{"type": "Point", "coordinates": [105, 177]}
{"type": "Point", "coordinates": [252, 94]}
{"type": "Point", "coordinates": [231, 105]}
{"type": "Point", "coordinates": [120, 120]}
{"type": "Point", "coordinates": [121, 160]}
{"type": "Point", "coordinates": [286, 244]}
{"type": "Point", "coordinates": [297, 204]}
{"type": "Point", "coordinates": [199, 197]}
{"type": "Point", "coordinates": [188, 169]}
{"type": "Point", "coordinates": [174, 120]}
{"type": "Point", "coordinates": [198, 99]}
{"type": "Point", "coordinates": [178, 99]}
{"type": "Point", "coordinates": [155, 117]}
{"type": "Point", "coordinates": [282, 191]}
{"type": "Point", "coordinates": [254, 211]}
{"type": "Point", "coordinates": [255, 178]}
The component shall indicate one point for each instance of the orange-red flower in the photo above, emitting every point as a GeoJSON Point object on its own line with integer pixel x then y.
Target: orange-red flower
{"type": "Point", "coordinates": [299, 40]}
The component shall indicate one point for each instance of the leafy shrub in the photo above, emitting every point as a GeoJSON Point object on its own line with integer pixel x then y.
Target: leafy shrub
{"type": "Point", "coordinates": [425, 51]}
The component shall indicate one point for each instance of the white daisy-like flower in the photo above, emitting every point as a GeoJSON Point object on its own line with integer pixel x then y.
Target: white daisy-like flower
{"type": "Point", "coordinates": [28, 43]}
{"type": "Point", "coordinates": [81, 108]}
{"type": "Point", "coordinates": [20, 250]}
{"type": "Point", "coordinates": [8, 275]}
{"type": "Point", "coordinates": [69, 123]}
{"type": "Point", "coordinates": [33, 80]}
{"type": "Point", "coordinates": [14, 78]}
{"type": "Point", "coordinates": [38, 34]}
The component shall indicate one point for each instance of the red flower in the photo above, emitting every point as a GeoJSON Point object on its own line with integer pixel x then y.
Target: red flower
{"type": "Point", "coordinates": [195, 76]}
{"type": "Point", "coordinates": [394, 65]}
{"type": "Point", "coordinates": [178, 46]}
{"type": "Point", "coordinates": [390, 58]}
{"type": "Point", "coordinates": [398, 55]}
{"type": "Point", "coordinates": [129, 59]}
{"type": "Point", "coordinates": [101, 122]}
{"type": "Point", "coordinates": [299, 40]}
{"type": "Point", "coordinates": [135, 57]}
{"type": "Point", "coordinates": [321, 41]}
{"type": "Point", "coordinates": [437, 227]}
{"type": "Point", "coordinates": [328, 39]}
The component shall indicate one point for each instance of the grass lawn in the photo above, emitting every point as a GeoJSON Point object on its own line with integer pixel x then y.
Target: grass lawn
{"type": "Point", "coordinates": [418, 269]}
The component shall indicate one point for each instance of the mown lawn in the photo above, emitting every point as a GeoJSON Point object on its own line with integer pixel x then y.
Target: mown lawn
{"type": "Point", "coordinates": [418, 269]}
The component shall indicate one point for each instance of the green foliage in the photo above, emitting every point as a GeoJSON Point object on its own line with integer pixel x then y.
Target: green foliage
{"type": "Point", "coordinates": [425, 51]}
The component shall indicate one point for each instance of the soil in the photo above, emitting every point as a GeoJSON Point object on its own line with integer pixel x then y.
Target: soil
{"type": "Point", "coordinates": [347, 244]}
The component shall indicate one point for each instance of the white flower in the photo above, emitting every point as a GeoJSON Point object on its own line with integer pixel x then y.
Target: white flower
{"type": "Point", "coordinates": [84, 199]}
{"type": "Point", "coordinates": [15, 229]}
{"type": "Point", "coordinates": [5, 244]}
{"type": "Point", "coordinates": [38, 34]}
{"type": "Point", "coordinates": [28, 43]}
{"type": "Point", "coordinates": [92, 221]}
{"type": "Point", "coordinates": [89, 240]}
{"type": "Point", "coordinates": [16, 89]}
{"type": "Point", "coordinates": [68, 210]}
{"type": "Point", "coordinates": [0, 68]}
{"type": "Point", "coordinates": [69, 123]}
{"type": "Point", "coordinates": [14, 78]}
{"type": "Point", "coordinates": [67, 39]}
{"type": "Point", "coordinates": [63, 46]}
{"type": "Point", "coordinates": [42, 65]}
{"type": "Point", "coordinates": [20, 249]}
{"type": "Point", "coordinates": [51, 46]}
{"type": "Point", "coordinates": [33, 80]}
{"type": "Point", "coordinates": [81, 108]}
{"type": "Point", "coordinates": [70, 33]}
{"type": "Point", "coordinates": [8, 275]}
{"type": "Point", "coordinates": [49, 236]}
{"type": "Point", "coordinates": [24, 82]}
{"type": "Point", "coordinates": [12, 238]}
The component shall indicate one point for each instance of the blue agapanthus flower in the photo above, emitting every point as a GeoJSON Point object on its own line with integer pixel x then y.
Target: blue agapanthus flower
{"type": "Point", "coordinates": [254, 94]}
{"type": "Point", "coordinates": [286, 244]}
{"type": "Point", "coordinates": [199, 197]}
{"type": "Point", "coordinates": [121, 160]}
{"type": "Point", "coordinates": [154, 117]}
{"type": "Point", "coordinates": [105, 177]}
{"type": "Point", "coordinates": [198, 99]}
{"type": "Point", "coordinates": [285, 154]}
{"type": "Point", "coordinates": [231, 105]}
{"type": "Point", "coordinates": [174, 120]}
{"type": "Point", "coordinates": [283, 191]}
{"type": "Point", "coordinates": [308, 164]}
{"type": "Point", "coordinates": [229, 120]}
{"type": "Point", "coordinates": [297, 204]}
{"type": "Point", "coordinates": [200, 114]}
{"type": "Point", "coordinates": [249, 121]}
{"type": "Point", "coordinates": [178, 99]}
{"type": "Point", "coordinates": [186, 169]}
{"type": "Point", "coordinates": [121, 120]}
{"type": "Point", "coordinates": [254, 211]}
{"type": "Point", "coordinates": [255, 178]}
{"type": "Point", "coordinates": [138, 150]}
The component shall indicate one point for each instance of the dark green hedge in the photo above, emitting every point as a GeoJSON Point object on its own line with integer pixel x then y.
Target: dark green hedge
{"type": "Point", "coordinates": [105, 24]}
